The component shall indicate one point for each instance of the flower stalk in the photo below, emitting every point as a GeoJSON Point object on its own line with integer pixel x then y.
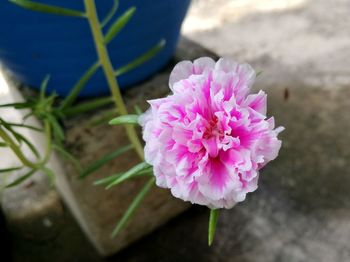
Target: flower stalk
{"type": "Point", "coordinates": [213, 219]}
{"type": "Point", "coordinates": [108, 70]}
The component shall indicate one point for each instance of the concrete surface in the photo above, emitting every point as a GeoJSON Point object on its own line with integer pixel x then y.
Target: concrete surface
{"type": "Point", "coordinates": [309, 39]}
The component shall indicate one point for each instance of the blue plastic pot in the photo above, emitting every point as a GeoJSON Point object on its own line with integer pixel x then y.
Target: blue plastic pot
{"type": "Point", "coordinates": [33, 44]}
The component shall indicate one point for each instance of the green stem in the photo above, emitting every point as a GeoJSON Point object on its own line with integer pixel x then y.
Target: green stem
{"type": "Point", "coordinates": [133, 206]}
{"type": "Point", "coordinates": [15, 149]}
{"type": "Point", "coordinates": [109, 71]}
{"type": "Point", "coordinates": [18, 152]}
{"type": "Point", "coordinates": [79, 85]}
{"type": "Point", "coordinates": [213, 219]}
{"type": "Point", "coordinates": [48, 135]}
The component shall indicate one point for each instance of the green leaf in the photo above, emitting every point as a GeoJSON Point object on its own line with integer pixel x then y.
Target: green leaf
{"type": "Point", "coordinates": [104, 118]}
{"type": "Point", "coordinates": [79, 85]}
{"type": "Point", "coordinates": [111, 13]}
{"type": "Point", "coordinates": [22, 178]}
{"type": "Point", "coordinates": [141, 59]}
{"type": "Point", "coordinates": [20, 138]}
{"type": "Point", "coordinates": [10, 129]}
{"type": "Point", "coordinates": [3, 144]}
{"type": "Point", "coordinates": [44, 105]}
{"type": "Point", "coordinates": [43, 86]}
{"type": "Point", "coordinates": [145, 172]}
{"type": "Point", "coordinates": [119, 24]}
{"type": "Point", "coordinates": [26, 116]}
{"type": "Point", "coordinates": [49, 9]}
{"type": "Point", "coordinates": [25, 126]}
{"type": "Point", "coordinates": [10, 169]}
{"type": "Point", "coordinates": [68, 156]}
{"type": "Point", "coordinates": [259, 73]}
{"type": "Point", "coordinates": [133, 206]}
{"type": "Point", "coordinates": [214, 213]}
{"type": "Point", "coordinates": [20, 105]}
{"type": "Point", "coordinates": [129, 174]}
{"type": "Point", "coordinates": [104, 160]}
{"type": "Point", "coordinates": [30, 145]}
{"type": "Point", "coordinates": [125, 119]}
{"type": "Point", "coordinates": [111, 178]}
{"type": "Point", "coordinates": [107, 180]}
{"type": "Point", "coordinates": [56, 128]}
{"type": "Point", "coordinates": [50, 174]}
{"type": "Point", "coordinates": [87, 106]}
{"type": "Point", "coordinates": [138, 110]}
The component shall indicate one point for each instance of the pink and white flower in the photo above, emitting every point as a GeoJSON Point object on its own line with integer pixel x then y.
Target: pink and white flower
{"type": "Point", "coordinates": [209, 139]}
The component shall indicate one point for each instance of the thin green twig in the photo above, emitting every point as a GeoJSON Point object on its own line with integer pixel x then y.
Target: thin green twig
{"type": "Point", "coordinates": [109, 71]}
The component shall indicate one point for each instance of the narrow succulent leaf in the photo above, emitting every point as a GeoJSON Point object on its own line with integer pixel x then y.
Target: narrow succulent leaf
{"type": "Point", "coordinates": [125, 119]}
{"type": "Point", "coordinates": [259, 73]}
{"type": "Point", "coordinates": [110, 179]}
{"type": "Point", "coordinates": [58, 113]}
{"type": "Point", "coordinates": [104, 118]}
{"type": "Point", "coordinates": [119, 24]}
{"type": "Point", "coordinates": [45, 103]}
{"type": "Point", "coordinates": [110, 14]}
{"type": "Point", "coordinates": [138, 110]}
{"type": "Point", "coordinates": [30, 145]}
{"type": "Point", "coordinates": [22, 178]}
{"type": "Point", "coordinates": [49, 9]}
{"type": "Point", "coordinates": [20, 105]}
{"type": "Point", "coordinates": [104, 160]}
{"type": "Point", "coordinates": [26, 116]}
{"type": "Point", "coordinates": [133, 206]}
{"type": "Point", "coordinates": [43, 86]}
{"type": "Point", "coordinates": [64, 153]}
{"type": "Point", "coordinates": [87, 106]}
{"type": "Point", "coordinates": [129, 174]}
{"type": "Point", "coordinates": [141, 59]}
{"type": "Point", "coordinates": [25, 126]}
{"type": "Point", "coordinates": [56, 129]}
{"type": "Point", "coordinates": [145, 172]}
{"type": "Point", "coordinates": [21, 139]}
{"type": "Point", "coordinates": [50, 174]}
{"type": "Point", "coordinates": [107, 180]}
{"type": "Point", "coordinates": [214, 213]}
{"type": "Point", "coordinates": [9, 126]}
{"type": "Point", "coordinates": [79, 85]}
{"type": "Point", "coordinates": [3, 144]}
{"type": "Point", "coordinates": [5, 170]}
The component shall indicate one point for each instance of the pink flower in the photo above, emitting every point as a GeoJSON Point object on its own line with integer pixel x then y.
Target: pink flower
{"type": "Point", "coordinates": [209, 139]}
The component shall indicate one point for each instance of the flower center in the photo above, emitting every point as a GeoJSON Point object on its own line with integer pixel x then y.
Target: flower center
{"type": "Point", "coordinates": [212, 129]}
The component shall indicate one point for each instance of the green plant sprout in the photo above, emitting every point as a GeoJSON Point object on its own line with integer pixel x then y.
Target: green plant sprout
{"type": "Point", "coordinates": [51, 112]}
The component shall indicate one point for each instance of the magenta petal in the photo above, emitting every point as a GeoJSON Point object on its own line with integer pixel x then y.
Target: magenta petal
{"type": "Point", "coordinates": [211, 146]}
{"type": "Point", "coordinates": [257, 102]}
{"type": "Point", "coordinates": [218, 180]}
